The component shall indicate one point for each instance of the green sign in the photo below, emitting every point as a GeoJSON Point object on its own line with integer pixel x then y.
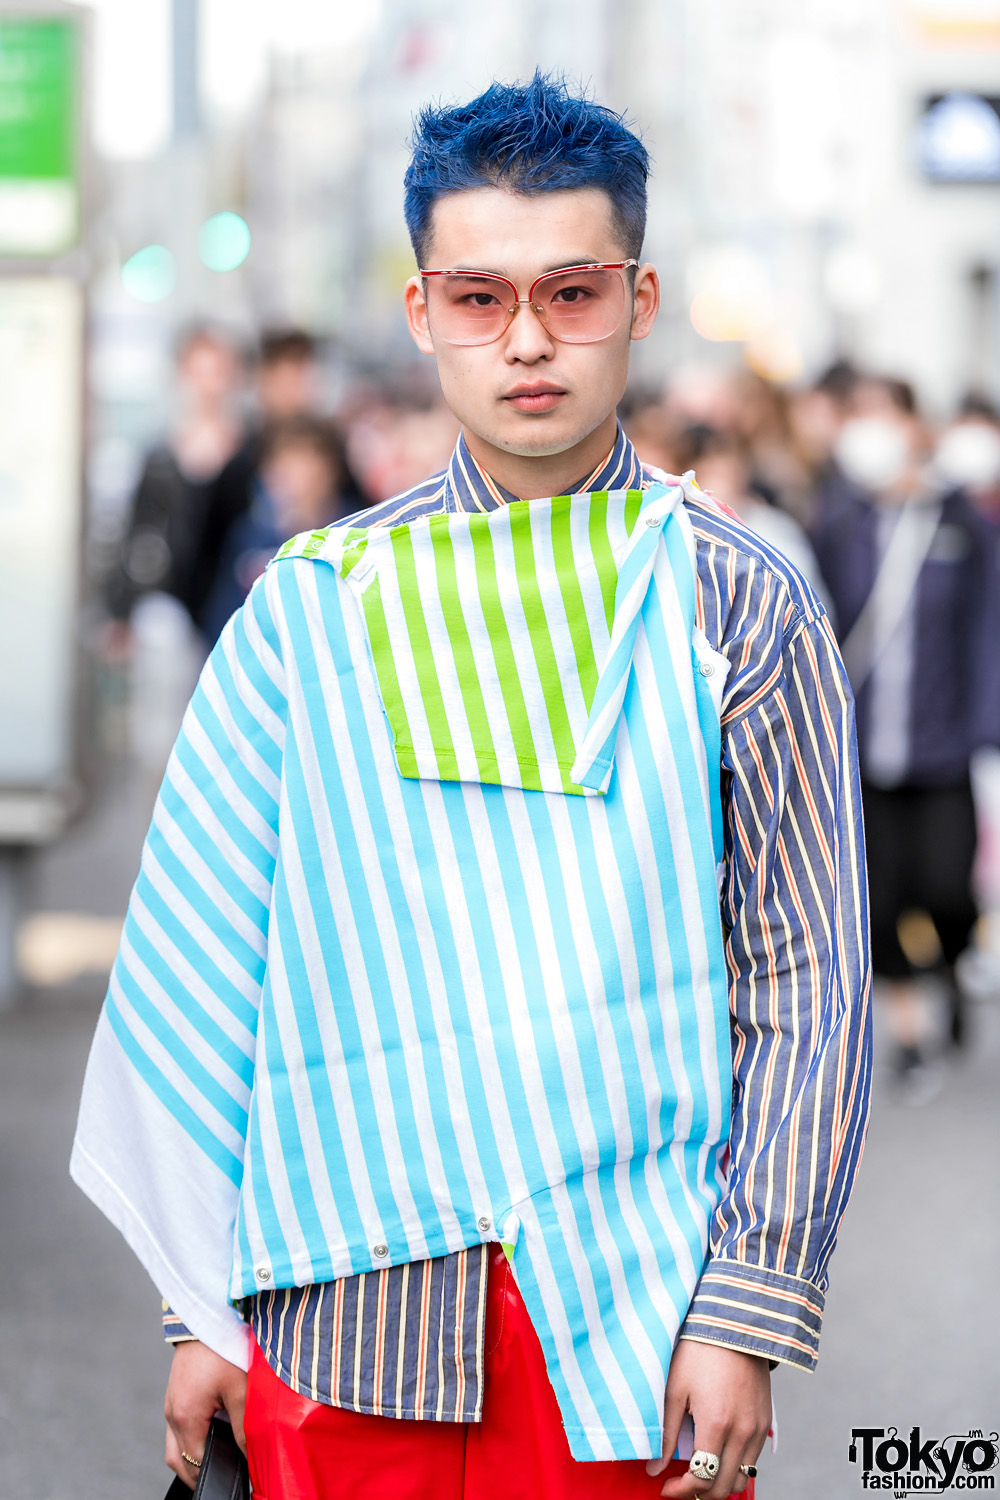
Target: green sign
{"type": "Point", "coordinates": [39, 82]}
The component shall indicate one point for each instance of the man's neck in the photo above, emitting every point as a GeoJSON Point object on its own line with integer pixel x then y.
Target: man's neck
{"type": "Point", "coordinates": [530, 477]}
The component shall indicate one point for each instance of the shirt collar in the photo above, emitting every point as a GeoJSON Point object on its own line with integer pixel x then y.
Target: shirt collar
{"type": "Point", "coordinates": [469, 487]}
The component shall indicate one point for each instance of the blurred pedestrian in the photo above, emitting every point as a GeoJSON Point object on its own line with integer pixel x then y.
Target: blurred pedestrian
{"type": "Point", "coordinates": [724, 466]}
{"type": "Point", "coordinates": [814, 420]}
{"type": "Point", "coordinates": [762, 423]}
{"type": "Point", "coordinates": [644, 415]}
{"type": "Point", "coordinates": [425, 1037]}
{"type": "Point", "coordinates": [968, 454]}
{"type": "Point", "coordinates": [156, 588]}
{"type": "Point", "coordinates": [912, 571]}
{"type": "Point", "coordinates": [303, 482]}
{"type": "Point", "coordinates": [755, 412]}
{"type": "Point", "coordinates": [286, 377]}
{"type": "Point", "coordinates": [394, 437]}
{"type": "Point", "coordinates": [162, 548]}
{"type": "Point", "coordinates": [701, 393]}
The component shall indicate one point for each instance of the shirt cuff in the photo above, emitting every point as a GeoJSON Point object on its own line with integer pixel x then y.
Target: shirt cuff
{"type": "Point", "coordinates": [174, 1330]}
{"type": "Point", "coordinates": [761, 1312]}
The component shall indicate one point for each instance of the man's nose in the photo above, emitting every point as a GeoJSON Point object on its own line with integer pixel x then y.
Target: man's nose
{"type": "Point", "coordinates": [527, 338]}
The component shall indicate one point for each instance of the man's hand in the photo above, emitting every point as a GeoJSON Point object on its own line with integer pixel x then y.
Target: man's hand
{"type": "Point", "coordinates": [728, 1394]}
{"type": "Point", "coordinates": [201, 1383]}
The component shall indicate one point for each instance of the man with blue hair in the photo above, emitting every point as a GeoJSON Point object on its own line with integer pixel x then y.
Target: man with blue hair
{"type": "Point", "coordinates": [486, 1061]}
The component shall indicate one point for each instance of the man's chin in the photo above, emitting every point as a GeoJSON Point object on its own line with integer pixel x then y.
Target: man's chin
{"type": "Point", "coordinates": [534, 438]}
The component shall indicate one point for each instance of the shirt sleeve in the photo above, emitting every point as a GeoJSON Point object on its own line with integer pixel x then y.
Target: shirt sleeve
{"type": "Point", "coordinates": [794, 907]}
{"type": "Point", "coordinates": [174, 1331]}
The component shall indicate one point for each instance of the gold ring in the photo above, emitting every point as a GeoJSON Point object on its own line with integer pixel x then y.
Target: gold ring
{"type": "Point", "coordinates": [704, 1465]}
{"type": "Point", "coordinates": [194, 1462]}
{"type": "Point", "coordinates": [750, 1470]}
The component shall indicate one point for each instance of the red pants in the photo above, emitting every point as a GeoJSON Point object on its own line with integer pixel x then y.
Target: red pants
{"type": "Point", "coordinates": [302, 1450]}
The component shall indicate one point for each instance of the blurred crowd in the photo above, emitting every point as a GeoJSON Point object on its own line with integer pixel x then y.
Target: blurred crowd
{"type": "Point", "coordinates": [893, 519]}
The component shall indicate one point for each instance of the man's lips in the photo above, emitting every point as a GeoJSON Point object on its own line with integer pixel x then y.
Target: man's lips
{"type": "Point", "coordinates": [535, 398]}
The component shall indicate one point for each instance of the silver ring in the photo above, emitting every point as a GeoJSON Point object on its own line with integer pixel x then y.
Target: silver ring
{"type": "Point", "coordinates": [704, 1465]}
{"type": "Point", "coordinates": [194, 1462]}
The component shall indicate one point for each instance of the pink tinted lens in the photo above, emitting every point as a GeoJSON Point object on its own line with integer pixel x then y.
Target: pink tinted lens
{"type": "Point", "coordinates": [468, 309]}
{"type": "Point", "coordinates": [581, 307]}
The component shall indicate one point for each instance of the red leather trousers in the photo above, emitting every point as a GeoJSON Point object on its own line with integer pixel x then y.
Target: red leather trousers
{"type": "Point", "coordinates": [302, 1450]}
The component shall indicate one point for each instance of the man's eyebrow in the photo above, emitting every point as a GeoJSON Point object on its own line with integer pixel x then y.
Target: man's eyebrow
{"type": "Point", "coordinates": [579, 260]}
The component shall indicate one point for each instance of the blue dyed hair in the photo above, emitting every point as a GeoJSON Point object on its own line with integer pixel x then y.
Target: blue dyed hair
{"type": "Point", "coordinates": [532, 137]}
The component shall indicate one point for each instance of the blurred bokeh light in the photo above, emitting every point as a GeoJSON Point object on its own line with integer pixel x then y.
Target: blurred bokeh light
{"type": "Point", "coordinates": [224, 241]}
{"type": "Point", "coordinates": [148, 275]}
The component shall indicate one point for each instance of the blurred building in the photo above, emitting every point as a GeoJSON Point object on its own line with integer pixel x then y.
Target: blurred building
{"type": "Point", "coordinates": [790, 214]}
{"type": "Point", "coordinates": [817, 229]}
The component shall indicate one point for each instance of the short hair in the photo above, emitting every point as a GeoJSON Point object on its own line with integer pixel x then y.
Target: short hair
{"type": "Point", "coordinates": [193, 334]}
{"type": "Point", "coordinates": [534, 137]}
{"type": "Point", "coordinates": [838, 380]}
{"type": "Point", "coordinates": [900, 393]}
{"type": "Point", "coordinates": [306, 431]}
{"type": "Point", "coordinates": [700, 440]}
{"type": "Point", "coordinates": [978, 404]}
{"type": "Point", "coordinates": [280, 344]}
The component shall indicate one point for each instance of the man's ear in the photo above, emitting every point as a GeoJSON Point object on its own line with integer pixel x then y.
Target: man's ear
{"type": "Point", "coordinates": [645, 301]}
{"type": "Point", "coordinates": [416, 315]}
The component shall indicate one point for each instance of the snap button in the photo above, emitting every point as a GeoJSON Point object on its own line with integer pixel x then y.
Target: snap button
{"type": "Point", "coordinates": [485, 1224]}
{"type": "Point", "coordinates": [706, 669]}
{"type": "Point", "coordinates": [652, 520]}
{"type": "Point", "coordinates": [263, 1273]}
{"type": "Point", "coordinates": [381, 1251]}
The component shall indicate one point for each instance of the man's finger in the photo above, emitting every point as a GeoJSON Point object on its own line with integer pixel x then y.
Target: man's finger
{"type": "Point", "coordinates": [674, 1408]}
{"type": "Point", "coordinates": [729, 1480]}
{"type": "Point", "coordinates": [190, 1435]}
{"type": "Point", "coordinates": [176, 1462]}
{"type": "Point", "coordinates": [713, 1439]}
{"type": "Point", "coordinates": [740, 1444]}
{"type": "Point", "coordinates": [751, 1453]}
{"type": "Point", "coordinates": [687, 1487]}
{"type": "Point", "coordinates": [235, 1402]}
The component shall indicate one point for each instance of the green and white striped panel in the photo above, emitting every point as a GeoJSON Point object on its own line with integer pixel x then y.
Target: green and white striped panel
{"type": "Point", "coordinates": [488, 633]}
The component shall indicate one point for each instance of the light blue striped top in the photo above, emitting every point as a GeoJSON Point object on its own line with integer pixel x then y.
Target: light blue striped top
{"type": "Point", "coordinates": [400, 1017]}
{"type": "Point", "coordinates": [792, 905]}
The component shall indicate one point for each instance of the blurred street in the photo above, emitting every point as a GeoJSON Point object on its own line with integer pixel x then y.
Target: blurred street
{"type": "Point", "coordinates": [910, 1334]}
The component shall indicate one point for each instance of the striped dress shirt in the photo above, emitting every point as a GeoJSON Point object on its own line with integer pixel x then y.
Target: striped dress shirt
{"type": "Point", "coordinates": [407, 1341]}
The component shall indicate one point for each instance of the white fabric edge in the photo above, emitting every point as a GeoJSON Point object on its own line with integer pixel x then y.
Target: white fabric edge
{"type": "Point", "coordinates": [719, 667]}
{"type": "Point", "coordinates": [224, 1333]}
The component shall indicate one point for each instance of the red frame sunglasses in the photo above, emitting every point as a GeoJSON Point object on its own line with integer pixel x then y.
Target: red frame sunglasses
{"type": "Point", "coordinates": [540, 311]}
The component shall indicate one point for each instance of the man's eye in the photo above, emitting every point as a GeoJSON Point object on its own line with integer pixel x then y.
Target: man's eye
{"type": "Point", "coordinates": [571, 294]}
{"type": "Point", "coordinates": [480, 299]}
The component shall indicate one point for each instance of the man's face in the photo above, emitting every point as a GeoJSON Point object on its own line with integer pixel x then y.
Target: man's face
{"type": "Point", "coordinates": [286, 387]}
{"type": "Point", "coordinates": [302, 484]}
{"type": "Point", "coordinates": [528, 393]}
{"type": "Point", "coordinates": [208, 370]}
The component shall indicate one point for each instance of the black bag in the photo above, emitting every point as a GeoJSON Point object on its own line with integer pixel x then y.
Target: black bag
{"type": "Point", "coordinates": [223, 1474]}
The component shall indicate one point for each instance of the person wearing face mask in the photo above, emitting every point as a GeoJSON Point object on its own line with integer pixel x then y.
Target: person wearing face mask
{"type": "Point", "coordinates": [968, 454]}
{"type": "Point", "coordinates": [911, 569]}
